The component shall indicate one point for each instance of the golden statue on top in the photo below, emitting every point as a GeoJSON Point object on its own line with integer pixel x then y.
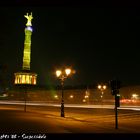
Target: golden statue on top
{"type": "Point", "coordinates": [29, 19]}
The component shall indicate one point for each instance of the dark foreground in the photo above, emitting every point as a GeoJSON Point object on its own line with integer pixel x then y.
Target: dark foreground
{"type": "Point", "coordinates": [13, 119]}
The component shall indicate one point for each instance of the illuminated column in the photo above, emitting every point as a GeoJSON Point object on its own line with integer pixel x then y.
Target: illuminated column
{"type": "Point", "coordinates": [27, 43]}
{"type": "Point", "coordinates": [25, 76]}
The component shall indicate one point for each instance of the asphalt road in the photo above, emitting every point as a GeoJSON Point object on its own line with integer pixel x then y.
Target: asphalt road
{"type": "Point", "coordinates": [46, 119]}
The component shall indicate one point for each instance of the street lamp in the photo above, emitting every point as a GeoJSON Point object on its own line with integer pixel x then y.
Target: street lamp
{"type": "Point", "coordinates": [87, 94]}
{"type": "Point", "coordinates": [56, 97]}
{"type": "Point", "coordinates": [62, 75]}
{"type": "Point", "coordinates": [71, 96]}
{"type": "Point", "coordinates": [134, 96]}
{"type": "Point", "coordinates": [102, 88]}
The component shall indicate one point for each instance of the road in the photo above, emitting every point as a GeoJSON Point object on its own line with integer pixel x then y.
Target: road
{"type": "Point", "coordinates": [33, 103]}
{"type": "Point", "coordinates": [46, 119]}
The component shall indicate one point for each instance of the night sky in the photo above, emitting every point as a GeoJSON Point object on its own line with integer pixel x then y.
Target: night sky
{"type": "Point", "coordinates": [99, 43]}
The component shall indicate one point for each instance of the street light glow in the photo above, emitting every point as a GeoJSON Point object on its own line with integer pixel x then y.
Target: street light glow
{"type": "Point", "coordinates": [104, 86]}
{"type": "Point", "coordinates": [99, 86]}
{"type": "Point", "coordinates": [84, 100]}
{"type": "Point", "coordinates": [56, 96]}
{"type": "Point", "coordinates": [86, 96]}
{"type": "Point", "coordinates": [67, 71]}
{"type": "Point", "coordinates": [134, 96]}
{"type": "Point", "coordinates": [71, 96]}
{"type": "Point", "coordinates": [58, 73]}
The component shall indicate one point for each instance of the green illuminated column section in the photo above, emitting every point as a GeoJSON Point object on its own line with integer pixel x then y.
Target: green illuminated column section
{"type": "Point", "coordinates": [27, 48]}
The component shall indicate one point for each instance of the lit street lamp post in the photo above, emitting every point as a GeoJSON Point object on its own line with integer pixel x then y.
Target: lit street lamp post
{"type": "Point", "coordinates": [62, 98]}
{"type": "Point", "coordinates": [62, 75]}
{"type": "Point", "coordinates": [102, 88]}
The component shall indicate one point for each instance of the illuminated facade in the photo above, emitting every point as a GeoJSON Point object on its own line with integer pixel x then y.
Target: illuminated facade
{"type": "Point", "coordinates": [25, 76]}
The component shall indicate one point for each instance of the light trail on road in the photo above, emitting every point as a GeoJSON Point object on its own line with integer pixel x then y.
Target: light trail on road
{"type": "Point", "coordinates": [125, 107]}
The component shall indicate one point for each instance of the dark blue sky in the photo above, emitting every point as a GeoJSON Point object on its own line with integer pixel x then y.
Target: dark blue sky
{"type": "Point", "coordinates": [99, 43]}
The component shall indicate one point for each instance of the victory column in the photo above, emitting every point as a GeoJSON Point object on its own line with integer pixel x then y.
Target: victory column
{"type": "Point", "coordinates": [26, 76]}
